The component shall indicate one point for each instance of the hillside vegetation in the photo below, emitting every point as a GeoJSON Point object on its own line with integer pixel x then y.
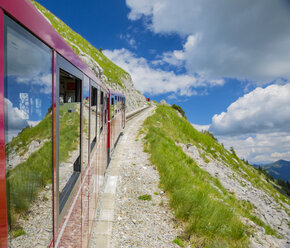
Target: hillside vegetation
{"type": "Point", "coordinates": [211, 215]}
{"type": "Point", "coordinates": [112, 72]}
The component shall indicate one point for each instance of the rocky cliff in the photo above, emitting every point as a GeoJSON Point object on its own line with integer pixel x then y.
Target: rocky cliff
{"type": "Point", "coordinates": [110, 74]}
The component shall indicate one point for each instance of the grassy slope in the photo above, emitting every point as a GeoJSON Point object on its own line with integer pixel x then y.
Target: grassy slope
{"type": "Point", "coordinates": [113, 72]}
{"type": "Point", "coordinates": [210, 214]}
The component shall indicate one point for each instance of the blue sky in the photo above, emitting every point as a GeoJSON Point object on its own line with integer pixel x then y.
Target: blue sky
{"type": "Point", "coordinates": [227, 64]}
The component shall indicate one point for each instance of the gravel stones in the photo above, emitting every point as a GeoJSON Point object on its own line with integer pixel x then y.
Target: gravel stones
{"type": "Point", "coordinates": [140, 223]}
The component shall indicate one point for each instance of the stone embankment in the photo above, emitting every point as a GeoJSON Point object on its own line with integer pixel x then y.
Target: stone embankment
{"type": "Point", "coordinates": [123, 220]}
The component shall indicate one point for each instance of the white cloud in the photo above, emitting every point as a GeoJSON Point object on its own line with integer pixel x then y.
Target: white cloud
{"type": "Point", "coordinates": [260, 148]}
{"type": "Point", "coordinates": [16, 119]}
{"type": "Point", "coordinates": [157, 81]}
{"type": "Point", "coordinates": [257, 124]}
{"type": "Point", "coordinates": [129, 39]}
{"type": "Point", "coordinates": [200, 127]}
{"type": "Point", "coordinates": [260, 111]}
{"type": "Point", "coordinates": [241, 39]}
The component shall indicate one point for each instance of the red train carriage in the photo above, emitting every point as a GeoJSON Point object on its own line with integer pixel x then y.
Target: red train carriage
{"type": "Point", "coordinates": [116, 118]}
{"type": "Point", "coordinates": [57, 125]}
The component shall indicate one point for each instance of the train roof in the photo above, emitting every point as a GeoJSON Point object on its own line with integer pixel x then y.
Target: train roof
{"type": "Point", "coordinates": [27, 14]}
{"type": "Point", "coordinates": [114, 92]}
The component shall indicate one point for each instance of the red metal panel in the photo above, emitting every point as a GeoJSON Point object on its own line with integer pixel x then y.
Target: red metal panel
{"type": "Point", "coordinates": [32, 19]}
{"type": "Point", "coordinates": [109, 122]}
{"type": "Point", "coordinates": [85, 210]}
{"type": "Point", "coordinates": [54, 183]}
{"type": "Point", "coordinates": [70, 229]}
{"type": "Point", "coordinates": [3, 200]}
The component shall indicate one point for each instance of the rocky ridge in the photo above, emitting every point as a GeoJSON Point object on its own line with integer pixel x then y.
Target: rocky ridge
{"type": "Point", "coordinates": [122, 81]}
{"type": "Point", "coordinates": [265, 207]}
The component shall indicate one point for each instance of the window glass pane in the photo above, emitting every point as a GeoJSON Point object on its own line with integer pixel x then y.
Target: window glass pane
{"type": "Point", "coordinates": [28, 137]}
{"type": "Point", "coordinates": [99, 113]}
{"type": "Point", "coordinates": [112, 107]}
{"type": "Point", "coordinates": [93, 117]}
{"type": "Point", "coordinates": [69, 133]}
{"type": "Point", "coordinates": [102, 110]}
{"type": "Point", "coordinates": [86, 113]}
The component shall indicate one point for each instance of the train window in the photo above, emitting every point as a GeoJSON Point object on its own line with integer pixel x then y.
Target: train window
{"type": "Point", "coordinates": [102, 97]}
{"type": "Point", "coordinates": [28, 135]}
{"type": "Point", "coordinates": [99, 113]}
{"type": "Point", "coordinates": [93, 117]}
{"type": "Point", "coordinates": [69, 138]}
{"type": "Point", "coordinates": [106, 108]}
{"type": "Point", "coordinates": [102, 111]}
{"type": "Point", "coordinates": [112, 108]}
{"type": "Point", "coordinates": [86, 118]}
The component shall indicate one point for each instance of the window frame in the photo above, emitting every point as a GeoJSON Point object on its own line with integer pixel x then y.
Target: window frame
{"type": "Point", "coordinates": [61, 207]}
{"type": "Point", "coordinates": [92, 144]}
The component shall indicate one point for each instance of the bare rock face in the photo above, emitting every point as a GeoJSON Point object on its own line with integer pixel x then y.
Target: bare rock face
{"type": "Point", "coordinates": [134, 99]}
{"type": "Point", "coordinates": [92, 64]}
{"type": "Point", "coordinates": [163, 102]}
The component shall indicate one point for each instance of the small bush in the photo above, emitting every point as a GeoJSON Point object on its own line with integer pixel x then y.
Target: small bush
{"type": "Point", "coordinates": [178, 242]}
{"type": "Point", "coordinates": [145, 197]}
{"type": "Point", "coordinates": [18, 231]}
{"type": "Point", "coordinates": [179, 109]}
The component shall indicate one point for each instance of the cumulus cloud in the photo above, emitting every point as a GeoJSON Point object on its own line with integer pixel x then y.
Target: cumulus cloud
{"type": "Point", "coordinates": [260, 111]}
{"type": "Point", "coordinates": [129, 39]}
{"type": "Point", "coordinates": [257, 124]}
{"type": "Point", "coordinates": [240, 39]}
{"type": "Point", "coordinates": [29, 63]}
{"type": "Point", "coordinates": [156, 81]}
{"type": "Point", "coordinates": [260, 148]}
{"type": "Point", "coordinates": [16, 120]}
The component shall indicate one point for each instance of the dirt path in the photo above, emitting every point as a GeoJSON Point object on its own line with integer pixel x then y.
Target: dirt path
{"type": "Point", "coordinates": [123, 219]}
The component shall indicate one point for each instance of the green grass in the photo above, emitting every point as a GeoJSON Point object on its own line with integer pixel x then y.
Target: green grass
{"type": "Point", "coordinates": [19, 231]}
{"type": "Point", "coordinates": [179, 242]}
{"type": "Point", "coordinates": [145, 197]}
{"type": "Point", "coordinates": [28, 178]}
{"type": "Point", "coordinates": [113, 72]}
{"type": "Point", "coordinates": [210, 214]}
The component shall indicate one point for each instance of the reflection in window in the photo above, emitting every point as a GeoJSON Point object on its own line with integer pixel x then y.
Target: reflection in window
{"type": "Point", "coordinates": [86, 115]}
{"type": "Point", "coordinates": [69, 133]}
{"type": "Point", "coordinates": [99, 113]}
{"type": "Point", "coordinates": [93, 117]}
{"type": "Point", "coordinates": [102, 111]}
{"type": "Point", "coordinates": [28, 136]}
{"type": "Point", "coordinates": [112, 108]}
{"type": "Point", "coordinates": [106, 102]}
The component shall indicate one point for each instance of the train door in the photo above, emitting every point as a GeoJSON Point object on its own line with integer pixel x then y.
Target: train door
{"type": "Point", "coordinates": [68, 152]}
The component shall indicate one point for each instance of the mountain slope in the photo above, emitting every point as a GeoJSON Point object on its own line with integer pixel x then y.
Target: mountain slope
{"type": "Point", "coordinates": [111, 74]}
{"type": "Point", "coordinates": [220, 200]}
{"type": "Point", "coordinates": [279, 169]}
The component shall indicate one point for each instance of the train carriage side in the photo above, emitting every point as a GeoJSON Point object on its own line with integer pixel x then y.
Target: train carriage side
{"type": "Point", "coordinates": [54, 132]}
{"type": "Point", "coordinates": [116, 118]}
